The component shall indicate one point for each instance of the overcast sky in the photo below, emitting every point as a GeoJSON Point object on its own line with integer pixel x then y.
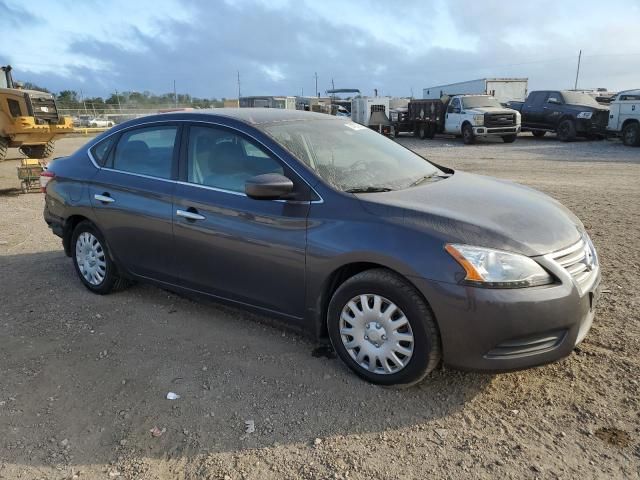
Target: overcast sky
{"type": "Point", "coordinates": [277, 45]}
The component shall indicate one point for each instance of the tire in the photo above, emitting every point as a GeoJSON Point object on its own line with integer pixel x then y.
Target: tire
{"type": "Point", "coordinates": [538, 133]}
{"type": "Point", "coordinates": [396, 132]}
{"type": "Point", "coordinates": [566, 131]}
{"type": "Point", "coordinates": [631, 134]}
{"type": "Point", "coordinates": [389, 287]}
{"type": "Point", "coordinates": [467, 134]}
{"type": "Point", "coordinates": [4, 146]}
{"type": "Point", "coordinates": [509, 138]}
{"type": "Point", "coordinates": [422, 131]}
{"type": "Point", "coordinates": [106, 280]}
{"type": "Point", "coordinates": [39, 151]}
{"type": "Point", "coordinates": [431, 131]}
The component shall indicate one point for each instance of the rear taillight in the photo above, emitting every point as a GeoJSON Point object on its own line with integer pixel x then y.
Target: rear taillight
{"type": "Point", "coordinates": [45, 177]}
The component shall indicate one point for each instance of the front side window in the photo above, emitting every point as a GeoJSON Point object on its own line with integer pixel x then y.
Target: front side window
{"type": "Point", "coordinates": [222, 159]}
{"type": "Point", "coordinates": [454, 106]}
{"type": "Point", "coordinates": [147, 151]}
{"type": "Point", "coordinates": [350, 156]}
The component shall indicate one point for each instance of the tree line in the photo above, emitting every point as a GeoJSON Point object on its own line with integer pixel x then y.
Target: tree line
{"type": "Point", "coordinates": [71, 99]}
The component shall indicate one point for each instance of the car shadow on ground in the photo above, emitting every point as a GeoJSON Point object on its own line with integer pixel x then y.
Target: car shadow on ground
{"type": "Point", "coordinates": [84, 378]}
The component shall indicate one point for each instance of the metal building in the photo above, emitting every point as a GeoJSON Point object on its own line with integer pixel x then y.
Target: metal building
{"type": "Point", "coordinates": [504, 89]}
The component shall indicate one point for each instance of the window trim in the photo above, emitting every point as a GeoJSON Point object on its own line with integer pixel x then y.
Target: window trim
{"type": "Point", "coordinates": [185, 123]}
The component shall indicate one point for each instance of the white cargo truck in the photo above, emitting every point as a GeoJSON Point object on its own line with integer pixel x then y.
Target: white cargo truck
{"type": "Point", "coordinates": [503, 89]}
{"type": "Point", "coordinates": [624, 117]}
{"type": "Point", "coordinates": [362, 107]}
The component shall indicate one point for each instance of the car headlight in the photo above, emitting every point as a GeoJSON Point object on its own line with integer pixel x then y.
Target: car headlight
{"type": "Point", "coordinates": [490, 268]}
{"type": "Point", "coordinates": [586, 115]}
{"type": "Point", "coordinates": [478, 119]}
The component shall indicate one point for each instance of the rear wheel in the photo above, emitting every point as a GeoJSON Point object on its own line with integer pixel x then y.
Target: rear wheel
{"type": "Point", "coordinates": [396, 132]}
{"type": "Point", "coordinates": [631, 135]}
{"type": "Point", "coordinates": [92, 262]}
{"type": "Point", "coordinates": [4, 146]}
{"type": "Point", "coordinates": [39, 151]}
{"type": "Point", "coordinates": [383, 329]}
{"type": "Point", "coordinates": [509, 138]}
{"type": "Point", "coordinates": [422, 131]}
{"type": "Point", "coordinates": [467, 134]}
{"type": "Point", "coordinates": [566, 131]}
{"type": "Point", "coordinates": [538, 133]}
{"type": "Point", "coordinates": [431, 131]}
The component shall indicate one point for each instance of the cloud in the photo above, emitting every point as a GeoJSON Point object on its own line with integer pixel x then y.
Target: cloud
{"type": "Point", "coordinates": [13, 16]}
{"type": "Point", "coordinates": [277, 46]}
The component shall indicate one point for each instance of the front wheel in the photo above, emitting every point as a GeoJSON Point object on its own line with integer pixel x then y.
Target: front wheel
{"type": "Point", "coordinates": [509, 138]}
{"type": "Point", "coordinates": [92, 262]}
{"type": "Point", "coordinates": [383, 329]}
{"type": "Point", "coordinates": [467, 134]}
{"type": "Point", "coordinates": [422, 131]}
{"type": "Point", "coordinates": [566, 131]}
{"type": "Point", "coordinates": [631, 135]}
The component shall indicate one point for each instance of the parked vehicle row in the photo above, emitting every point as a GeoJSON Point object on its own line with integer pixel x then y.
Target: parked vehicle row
{"type": "Point", "coordinates": [398, 262]}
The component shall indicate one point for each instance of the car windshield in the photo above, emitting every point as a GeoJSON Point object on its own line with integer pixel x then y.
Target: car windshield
{"type": "Point", "coordinates": [351, 157]}
{"type": "Point", "coordinates": [480, 101]}
{"type": "Point", "coordinates": [577, 98]}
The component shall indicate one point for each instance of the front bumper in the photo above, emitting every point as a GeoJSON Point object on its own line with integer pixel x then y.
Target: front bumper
{"type": "Point", "coordinates": [510, 329]}
{"type": "Point", "coordinates": [25, 130]}
{"type": "Point", "coordinates": [589, 127]}
{"type": "Point", "coordinates": [499, 131]}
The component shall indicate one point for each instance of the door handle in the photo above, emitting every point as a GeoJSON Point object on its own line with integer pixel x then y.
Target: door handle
{"type": "Point", "coordinates": [189, 215]}
{"type": "Point", "coordinates": [104, 198]}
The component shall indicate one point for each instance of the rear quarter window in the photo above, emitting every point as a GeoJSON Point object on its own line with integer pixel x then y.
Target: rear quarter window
{"type": "Point", "coordinates": [101, 150]}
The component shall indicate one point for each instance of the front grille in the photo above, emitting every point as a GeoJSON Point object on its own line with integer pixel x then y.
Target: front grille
{"type": "Point", "coordinates": [499, 119]}
{"type": "Point", "coordinates": [44, 108]}
{"type": "Point", "coordinates": [580, 261]}
{"type": "Point", "coordinates": [600, 118]}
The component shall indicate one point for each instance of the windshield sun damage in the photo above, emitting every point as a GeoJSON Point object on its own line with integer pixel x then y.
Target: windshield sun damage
{"type": "Point", "coordinates": [480, 101]}
{"type": "Point", "coordinates": [351, 157]}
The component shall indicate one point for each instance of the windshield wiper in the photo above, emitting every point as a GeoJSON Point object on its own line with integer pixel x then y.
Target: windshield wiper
{"type": "Point", "coordinates": [423, 178]}
{"type": "Point", "coordinates": [368, 189]}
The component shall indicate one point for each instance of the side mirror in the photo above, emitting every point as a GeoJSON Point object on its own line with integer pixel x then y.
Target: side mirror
{"type": "Point", "coordinates": [553, 100]}
{"type": "Point", "coordinates": [269, 186]}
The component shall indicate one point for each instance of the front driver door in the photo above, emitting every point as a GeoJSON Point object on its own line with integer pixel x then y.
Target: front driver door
{"type": "Point", "coordinates": [227, 244]}
{"type": "Point", "coordinates": [452, 123]}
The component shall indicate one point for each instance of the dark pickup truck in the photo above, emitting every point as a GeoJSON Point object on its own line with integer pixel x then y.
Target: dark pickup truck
{"type": "Point", "coordinates": [569, 114]}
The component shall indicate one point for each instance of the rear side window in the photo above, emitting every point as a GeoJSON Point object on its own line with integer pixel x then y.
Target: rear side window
{"type": "Point", "coordinates": [102, 149]}
{"type": "Point", "coordinates": [147, 151]}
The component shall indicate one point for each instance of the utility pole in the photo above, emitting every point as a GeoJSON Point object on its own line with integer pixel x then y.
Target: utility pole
{"type": "Point", "coordinates": [575, 86]}
{"type": "Point", "coordinates": [238, 87]}
{"type": "Point", "coordinates": [118, 99]}
{"type": "Point", "coordinates": [175, 95]}
{"type": "Point", "coordinates": [411, 92]}
{"type": "Point", "coordinates": [317, 92]}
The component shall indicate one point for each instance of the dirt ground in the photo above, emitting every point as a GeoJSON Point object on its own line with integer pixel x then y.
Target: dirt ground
{"type": "Point", "coordinates": [84, 378]}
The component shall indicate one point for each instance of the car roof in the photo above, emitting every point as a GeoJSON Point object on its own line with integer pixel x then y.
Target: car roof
{"type": "Point", "coordinates": [254, 116]}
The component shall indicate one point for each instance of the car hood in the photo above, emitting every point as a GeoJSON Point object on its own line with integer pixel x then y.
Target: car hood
{"type": "Point", "coordinates": [489, 110]}
{"type": "Point", "coordinates": [483, 211]}
{"type": "Point", "coordinates": [585, 108]}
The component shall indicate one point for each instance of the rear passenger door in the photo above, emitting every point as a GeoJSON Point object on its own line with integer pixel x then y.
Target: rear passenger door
{"type": "Point", "coordinates": [533, 110]}
{"type": "Point", "coordinates": [132, 197]}
{"type": "Point", "coordinates": [227, 244]}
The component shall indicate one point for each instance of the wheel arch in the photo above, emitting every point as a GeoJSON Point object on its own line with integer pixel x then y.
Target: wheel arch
{"type": "Point", "coordinates": [336, 278]}
{"type": "Point", "coordinates": [67, 230]}
{"type": "Point", "coordinates": [629, 121]}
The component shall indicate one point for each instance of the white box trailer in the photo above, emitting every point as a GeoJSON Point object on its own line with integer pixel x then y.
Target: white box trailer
{"type": "Point", "coordinates": [361, 108]}
{"type": "Point", "coordinates": [504, 89]}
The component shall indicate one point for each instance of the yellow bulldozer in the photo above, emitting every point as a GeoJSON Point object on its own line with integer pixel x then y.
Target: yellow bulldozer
{"type": "Point", "coordinates": [29, 119]}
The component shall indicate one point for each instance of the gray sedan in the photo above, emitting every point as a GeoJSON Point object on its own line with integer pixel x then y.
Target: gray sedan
{"type": "Point", "coordinates": [400, 263]}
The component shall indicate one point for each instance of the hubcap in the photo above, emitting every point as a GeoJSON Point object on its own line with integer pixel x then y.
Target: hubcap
{"type": "Point", "coordinates": [90, 258]}
{"type": "Point", "coordinates": [376, 333]}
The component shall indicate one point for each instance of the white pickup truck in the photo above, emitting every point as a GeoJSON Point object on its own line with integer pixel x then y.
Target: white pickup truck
{"type": "Point", "coordinates": [468, 116]}
{"type": "Point", "coordinates": [624, 117]}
